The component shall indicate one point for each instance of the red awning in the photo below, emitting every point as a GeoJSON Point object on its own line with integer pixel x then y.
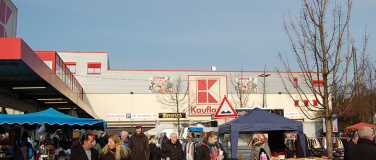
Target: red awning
{"type": "Point", "coordinates": [357, 126]}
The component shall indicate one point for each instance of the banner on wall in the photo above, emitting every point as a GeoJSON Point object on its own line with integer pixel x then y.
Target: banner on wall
{"type": "Point", "coordinates": [131, 115]}
{"type": "Point", "coordinates": [206, 93]}
{"type": "Point", "coordinates": [161, 84]}
{"type": "Point", "coordinates": [246, 85]}
{"type": "Point", "coordinates": [334, 124]}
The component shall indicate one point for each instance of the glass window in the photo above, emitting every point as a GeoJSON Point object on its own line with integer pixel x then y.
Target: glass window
{"type": "Point", "coordinates": [71, 66]}
{"type": "Point", "coordinates": [48, 63]}
{"type": "Point", "coordinates": [295, 82]}
{"type": "Point", "coordinates": [94, 68]}
{"type": "Point", "coordinates": [296, 103]}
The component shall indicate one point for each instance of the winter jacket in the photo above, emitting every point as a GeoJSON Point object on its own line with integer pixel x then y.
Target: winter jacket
{"type": "Point", "coordinates": [139, 146]}
{"type": "Point", "coordinates": [204, 152]}
{"type": "Point", "coordinates": [365, 149]}
{"type": "Point", "coordinates": [255, 153]}
{"type": "Point", "coordinates": [126, 143]}
{"type": "Point", "coordinates": [174, 151]}
{"type": "Point", "coordinates": [78, 153]}
{"type": "Point", "coordinates": [98, 147]}
{"type": "Point", "coordinates": [23, 143]}
{"type": "Point", "coordinates": [104, 139]}
{"type": "Point", "coordinates": [111, 156]}
{"type": "Point", "coordinates": [155, 152]}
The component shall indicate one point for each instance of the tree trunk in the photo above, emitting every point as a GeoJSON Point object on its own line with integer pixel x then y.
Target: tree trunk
{"type": "Point", "coordinates": [329, 131]}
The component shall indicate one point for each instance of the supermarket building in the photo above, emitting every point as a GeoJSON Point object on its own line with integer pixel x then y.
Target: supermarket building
{"type": "Point", "coordinates": [84, 83]}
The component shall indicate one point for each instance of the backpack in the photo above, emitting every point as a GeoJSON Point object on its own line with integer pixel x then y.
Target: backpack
{"type": "Point", "coordinates": [263, 155]}
{"type": "Point", "coordinates": [21, 153]}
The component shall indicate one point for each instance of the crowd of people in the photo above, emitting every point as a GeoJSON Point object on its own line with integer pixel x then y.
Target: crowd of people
{"type": "Point", "coordinates": [145, 147]}
{"type": "Point", "coordinates": [123, 147]}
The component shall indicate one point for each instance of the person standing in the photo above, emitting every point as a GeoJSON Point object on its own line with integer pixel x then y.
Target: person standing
{"type": "Point", "coordinates": [154, 150]}
{"type": "Point", "coordinates": [210, 149]}
{"type": "Point", "coordinates": [257, 147]}
{"type": "Point", "coordinates": [22, 149]}
{"type": "Point", "coordinates": [86, 150]}
{"type": "Point", "coordinates": [352, 143]}
{"type": "Point", "coordinates": [172, 149]}
{"type": "Point", "coordinates": [96, 145]}
{"type": "Point", "coordinates": [125, 138]}
{"type": "Point", "coordinates": [115, 150]}
{"type": "Point", "coordinates": [139, 145]}
{"type": "Point", "coordinates": [365, 149]}
{"type": "Point", "coordinates": [104, 138]}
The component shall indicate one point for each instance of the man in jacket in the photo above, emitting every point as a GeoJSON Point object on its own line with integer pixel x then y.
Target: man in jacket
{"type": "Point", "coordinates": [352, 143]}
{"type": "Point", "coordinates": [139, 145]}
{"type": "Point", "coordinates": [172, 150]}
{"type": "Point", "coordinates": [22, 149]}
{"type": "Point", "coordinates": [365, 149]}
{"type": "Point", "coordinates": [86, 150]}
{"type": "Point", "coordinates": [125, 138]}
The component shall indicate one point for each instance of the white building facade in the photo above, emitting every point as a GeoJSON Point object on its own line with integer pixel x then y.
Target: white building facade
{"type": "Point", "coordinates": [125, 98]}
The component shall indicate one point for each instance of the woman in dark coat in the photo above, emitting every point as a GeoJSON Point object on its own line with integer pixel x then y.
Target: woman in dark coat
{"type": "Point", "coordinates": [210, 149]}
{"type": "Point", "coordinates": [115, 150]}
{"type": "Point", "coordinates": [154, 150]}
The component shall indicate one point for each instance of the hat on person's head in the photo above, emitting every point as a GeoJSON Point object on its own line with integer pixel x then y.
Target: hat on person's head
{"type": "Point", "coordinates": [93, 135]}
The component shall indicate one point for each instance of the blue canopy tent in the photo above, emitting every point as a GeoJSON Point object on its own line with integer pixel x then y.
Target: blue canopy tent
{"type": "Point", "coordinates": [52, 117]}
{"type": "Point", "coordinates": [195, 129]}
{"type": "Point", "coordinates": [259, 120]}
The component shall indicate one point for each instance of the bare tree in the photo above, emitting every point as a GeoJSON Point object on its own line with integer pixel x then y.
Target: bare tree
{"type": "Point", "coordinates": [321, 45]}
{"type": "Point", "coordinates": [240, 99]}
{"type": "Point", "coordinates": [370, 84]}
{"type": "Point", "coordinates": [177, 100]}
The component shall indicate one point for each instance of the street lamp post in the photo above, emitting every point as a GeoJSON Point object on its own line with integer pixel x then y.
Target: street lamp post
{"type": "Point", "coordinates": [264, 87]}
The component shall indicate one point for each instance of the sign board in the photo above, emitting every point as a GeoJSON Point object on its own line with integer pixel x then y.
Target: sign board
{"type": "Point", "coordinates": [172, 115]}
{"type": "Point", "coordinates": [206, 93]}
{"type": "Point", "coordinates": [293, 114]}
{"type": "Point", "coordinates": [131, 115]}
{"type": "Point", "coordinates": [225, 109]}
{"type": "Point", "coordinates": [334, 124]}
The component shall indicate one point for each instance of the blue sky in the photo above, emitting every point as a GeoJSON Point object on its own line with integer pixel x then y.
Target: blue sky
{"type": "Point", "coordinates": [174, 34]}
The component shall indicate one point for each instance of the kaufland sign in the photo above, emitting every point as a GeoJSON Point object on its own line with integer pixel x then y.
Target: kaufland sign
{"type": "Point", "coordinates": [206, 93]}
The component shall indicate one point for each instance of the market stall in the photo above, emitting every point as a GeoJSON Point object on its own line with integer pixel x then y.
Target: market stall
{"type": "Point", "coordinates": [39, 122]}
{"type": "Point", "coordinates": [54, 118]}
{"type": "Point", "coordinates": [258, 120]}
{"type": "Point", "coordinates": [357, 126]}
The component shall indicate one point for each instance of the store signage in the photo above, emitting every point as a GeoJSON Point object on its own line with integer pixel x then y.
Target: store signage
{"type": "Point", "coordinates": [246, 85]}
{"type": "Point", "coordinates": [206, 93]}
{"type": "Point", "coordinates": [144, 115]}
{"type": "Point", "coordinates": [161, 84]}
{"type": "Point", "coordinates": [131, 115]}
{"type": "Point", "coordinates": [293, 114]}
{"type": "Point", "coordinates": [200, 110]}
{"type": "Point", "coordinates": [116, 115]}
{"type": "Point", "coordinates": [172, 115]}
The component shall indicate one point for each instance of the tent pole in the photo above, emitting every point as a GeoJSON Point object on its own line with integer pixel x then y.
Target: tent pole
{"type": "Point", "coordinates": [227, 148]}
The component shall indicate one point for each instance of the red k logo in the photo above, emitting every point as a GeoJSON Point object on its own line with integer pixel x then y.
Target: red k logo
{"type": "Point", "coordinates": [208, 91]}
